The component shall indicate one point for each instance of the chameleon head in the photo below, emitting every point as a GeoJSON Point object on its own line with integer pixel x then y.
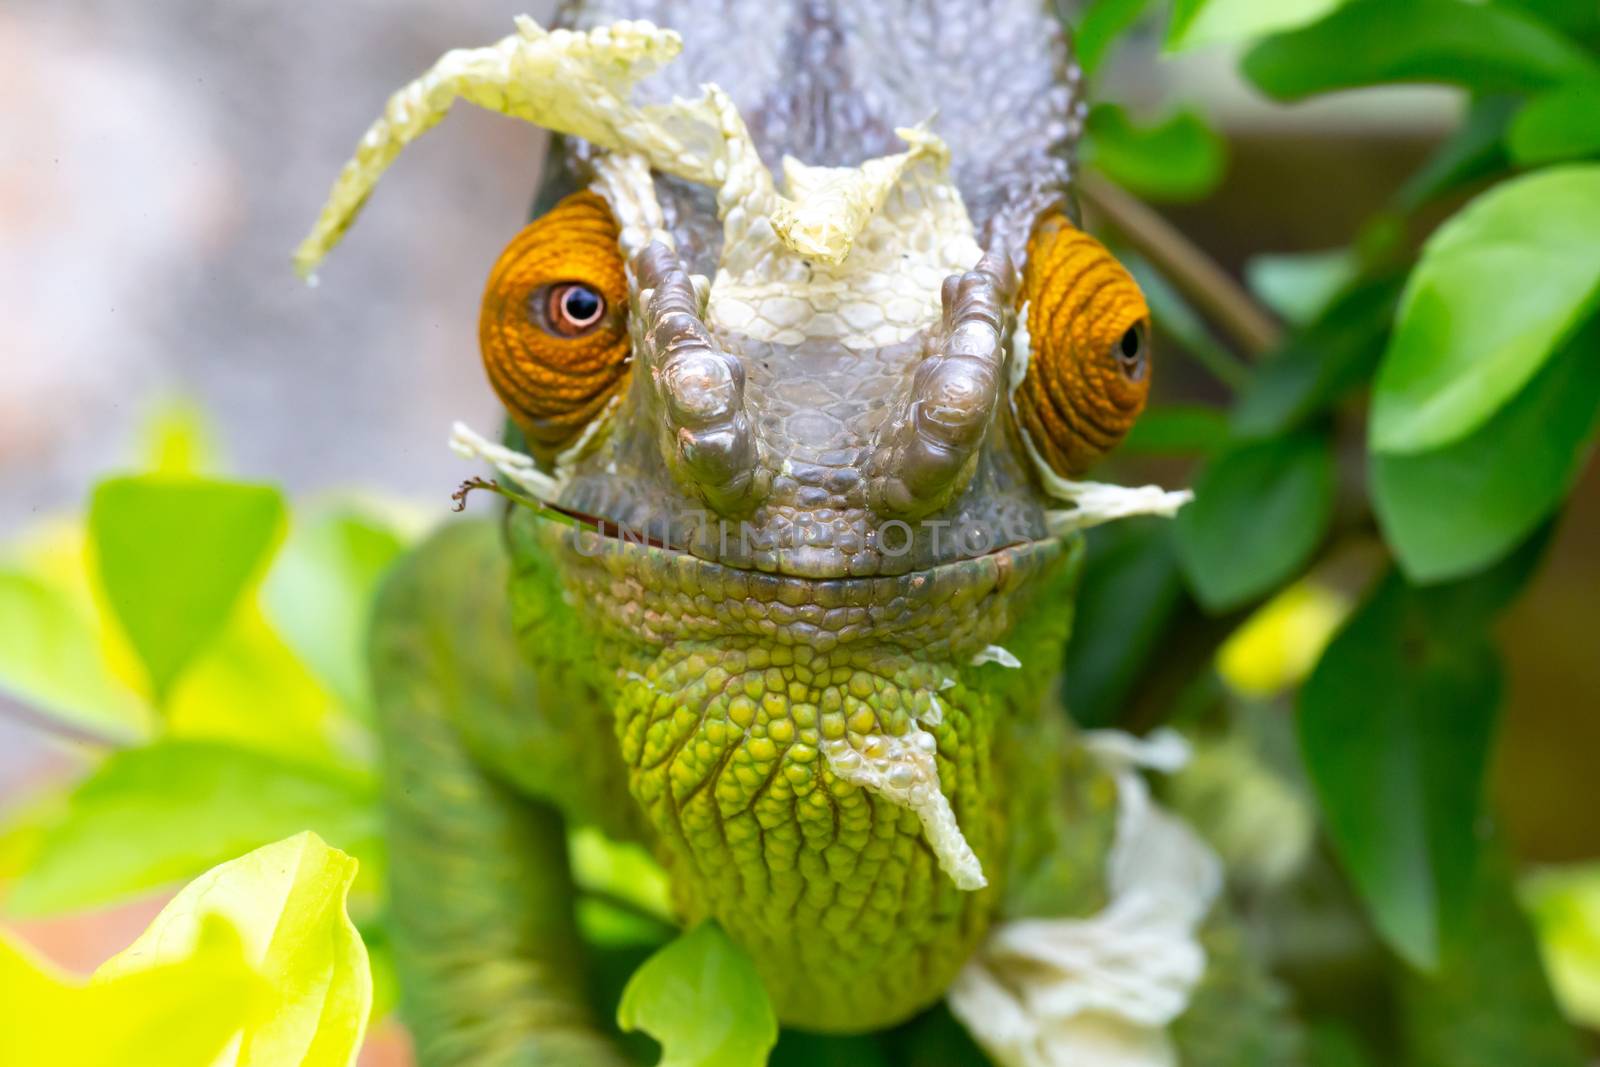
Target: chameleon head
{"type": "Point", "coordinates": [823, 430]}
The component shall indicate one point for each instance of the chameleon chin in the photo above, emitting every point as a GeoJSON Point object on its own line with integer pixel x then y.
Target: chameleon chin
{"type": "Point", "coordinates": [804, 272]}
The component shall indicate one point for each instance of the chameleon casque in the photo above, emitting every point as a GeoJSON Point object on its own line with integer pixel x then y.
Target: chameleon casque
{"type": "Point", "coordinates": [805, 337]}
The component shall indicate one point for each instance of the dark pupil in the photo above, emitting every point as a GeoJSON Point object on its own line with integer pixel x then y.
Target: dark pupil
{"type": "Point", "coordinates": [1130, 344]}
{"type": "Point", "coordinates": [582, 304]}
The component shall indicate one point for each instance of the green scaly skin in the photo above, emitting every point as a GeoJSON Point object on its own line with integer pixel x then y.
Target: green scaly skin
{"type": "Point", "coordinates": [706, 750]}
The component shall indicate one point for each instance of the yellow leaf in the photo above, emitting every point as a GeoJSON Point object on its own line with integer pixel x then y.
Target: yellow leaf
{"type": "Point", "coordinates": [254, 964]}
{"type": "Point", "coordinates": [1277, 646]}
{"type": "Point", "coordinates": [288, 902]}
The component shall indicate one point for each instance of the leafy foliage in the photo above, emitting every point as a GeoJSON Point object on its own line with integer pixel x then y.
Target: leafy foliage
{"type": "Point", "coordinates": [701, 997]}
{"type": "Point", "coordinates": [254, 963]}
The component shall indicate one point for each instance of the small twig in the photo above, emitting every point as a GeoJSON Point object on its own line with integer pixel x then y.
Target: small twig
{"type": "Point", "coordinates": [1193, 273]}
{"type": "Point", "coordinates": [64, 731]}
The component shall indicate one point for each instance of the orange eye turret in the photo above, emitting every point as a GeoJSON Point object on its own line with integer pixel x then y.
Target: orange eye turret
{"type": "Point", "coordinates": [1089, 360]}
{"type": "Point", "coordinates": [553, 329]}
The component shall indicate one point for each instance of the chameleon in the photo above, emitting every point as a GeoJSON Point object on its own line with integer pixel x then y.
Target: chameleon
{"type": "Point", "coordinates": [805, 357]}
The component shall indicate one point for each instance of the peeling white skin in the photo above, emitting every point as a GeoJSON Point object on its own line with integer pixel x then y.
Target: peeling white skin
{"type": "Point", "coordinates": [517, 467]}
{"type": "Point", "coordinates": [1101, 991]}
{"type": "Point", "coordinates": [902, 770]}
{"type": "Point", "coordinates": [996, 654]}
{"type": "Point", "coordinates": [1098, 502]}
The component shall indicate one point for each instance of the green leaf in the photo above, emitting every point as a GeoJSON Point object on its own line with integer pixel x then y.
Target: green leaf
{"type": "Point", "coordinates": [1561, 124]}
{"type": "Point", "coordinates": [1473, 152]}
{"type": "Point", "coordinates": [287, 900]}
{"type": "Point", "coordinates": [320, 591]}
{"type": "Point", "coordinates": [1395, 727]}
{"type": "Point", "coordinates": [1202, 22]}
{"type": "Point", "coordinates": [1177, 430]}
{"type": "Point", "coordinates": [1377, 42]}
{"type": "Point", "coordinates": [1179, 158]}
{"type": "Point", "coordinates": [702, 999]}
{"type": "Point", "coordinates": [1565, 905]}
{"type": "Point", "coordinates": [1322, 362]}
{"type": "Point", "coordinates": [1100, 24]}
{"type": "Point", "coordinates": [151, 816]}
{"type": "Point", "coordinates": [188, 1007]}
{"type": "Point", "coordinates": [1130, 590]}
{"type": "Point", "coordinates": [1299, 286]}
{"type": "Point", "coordinates": [1498, 288]}
{"type": "Point", "coordinates": [1452, 511]}
{"type": "Point", "coordinates": [51, 658]}
{"type": "Point", "coordinates": [1259, 512]}
{"type": "Point", "coordinates": [1489, 1004]}
{"type": "Point", "coordinates": [175, 554]}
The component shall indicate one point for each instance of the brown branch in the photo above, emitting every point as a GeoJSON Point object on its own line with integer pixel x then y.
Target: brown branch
{"type": "Point", "coordinates": [1196, 275]}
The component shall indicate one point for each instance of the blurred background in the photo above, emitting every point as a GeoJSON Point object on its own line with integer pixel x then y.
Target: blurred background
{"type": "Point", "coordinates": [160, 161]}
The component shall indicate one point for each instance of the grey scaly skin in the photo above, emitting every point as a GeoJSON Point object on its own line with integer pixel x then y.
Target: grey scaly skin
{"type": "Point", "coordinates": [816, 730]}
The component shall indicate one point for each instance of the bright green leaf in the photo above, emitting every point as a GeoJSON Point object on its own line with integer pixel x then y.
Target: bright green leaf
{"type": "Point", "coordinates": [1099, 26]}
{"type": "Point", "coordinates": [287, 901]}
{"type": "Point", "coordinates": [1376, 42]}
{"type": "Point", "coordinates": [174, 556]}
{"type": "Point", "coordinates": [1178, 158]}
{"type": "Point", "coordinates": [1452, 511]}
{"type": "Point", "coordinates": [1395, 727]}
{"type": "Point", "coordinates": [1259, 512]}
{"type": "Point", "coordinates": [178, 439]}
{"type": "Point", "coordinates": [51, 658]}
{"type": "Point", "coordinates": [701, 997]}
{"type": "Point", "coordinates": [320, 591]}
{"type": "Point", "coordinates": [1202, 22]}
{"type": "Point", "coordinates": [1565, 905]}
{"type": "Point", "coordinates": [180, 1011]}
{"type": "Point", "coordinates": [1561, 124]}
{"type": "Point", "coordinates": [1497, 290]}
{"type": "Point", "coordinates": [151, 816]}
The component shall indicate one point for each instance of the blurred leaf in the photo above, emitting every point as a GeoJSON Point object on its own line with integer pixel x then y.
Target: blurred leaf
{"type": "Point", "coordinates": [796, 1048]}
{"type": "Point", "coordinates": [1177, 430]}
{"type": "Point", "coordinates": [180, 1011]}
{"type": "Point", "coordinates": [1474, 151]}
{"type": "Point", "coordinates": [1489, 1004]}
{"type": "Point", "coordinates": [1201, 22]}
{"type": "Point", "coordinates": [1276, 647]}
{"type": "Point", "coordinates": [250, 690]}
{"type": "Point", "coordinates": [1299, 286]}
{"type": "Point", "coordinates": [1259, 512]}
{"type": "Point", "coordinates": [1579, 18]}
{"type": "Point", "coordinates": [1131, 587]}
{"type": "Point", "coordinates": [1178, 158]}
{"type": "Point", "coordinates": [1498, 288]}
{"type": "Point", "coordinates": [1452, 511]}
{"type": "Point", "coordinates": [174, 556]}
{"type": "Point", "coordinates": [1565, 905]}
{"type": "Point", "coordinates": [703, 1000]}
{"type": "Point", "coordinates": [151, 816]}
{"type": "Point", "coordinates": [51, 658]}
{"type": "Point", "coordinates": [1322, 362]}
{"type": "Point", "coordinates": [287, 900]}
{"type": "Point", "coordinates": [620, 868]}
{"type": "Point", "coordinates": [1561, 124]}
{"type": "Point", "coordinates": [1395, 727]}
{"type": "Point", "coordinates": [320, 590]}
{"type": "Point", "coordinates": [1101, 23]}
{"type": "Point", "coordinates": [1377, 42]}
{"type": "Point", "coordinates": [178, 440]}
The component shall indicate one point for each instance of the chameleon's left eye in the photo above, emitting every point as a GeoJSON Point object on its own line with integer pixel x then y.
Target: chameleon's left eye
{"type": "Point", "coordinates": [1089, 350]}
{"type": "Point", "coordinates": [553, 328]}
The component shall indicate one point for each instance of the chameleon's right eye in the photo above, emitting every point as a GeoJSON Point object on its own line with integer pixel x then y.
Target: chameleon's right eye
{"type": "Point", "coordinates": [553, 328]}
